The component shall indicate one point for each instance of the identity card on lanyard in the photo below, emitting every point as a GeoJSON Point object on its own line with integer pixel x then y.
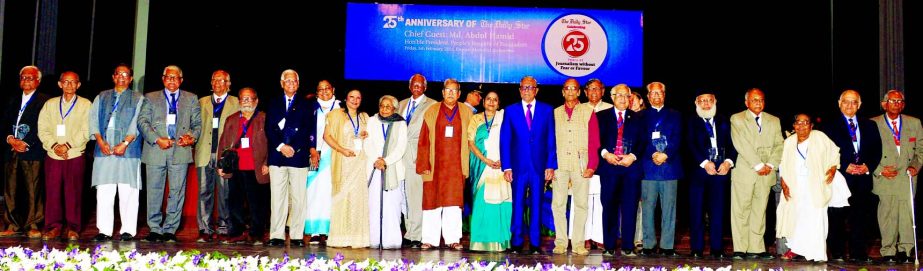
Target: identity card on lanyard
{"type": "Point", "coordinates": [61, 129]}
{"type": "Point", "coordinates": [357, 142]}
{"type": "Point", "coordinates": [449, 129]}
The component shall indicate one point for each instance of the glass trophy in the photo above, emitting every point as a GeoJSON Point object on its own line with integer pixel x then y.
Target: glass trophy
{"type": "Point", "coordinates": [716, 155]}
{"type": "Point", "coordinates": [21, 130]}
{"type": "Point", "coordinates": [660, 143]}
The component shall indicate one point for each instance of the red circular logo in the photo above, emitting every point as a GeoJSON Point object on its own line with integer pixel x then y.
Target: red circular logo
{"type": "Point", "coordinates": [575, 43]}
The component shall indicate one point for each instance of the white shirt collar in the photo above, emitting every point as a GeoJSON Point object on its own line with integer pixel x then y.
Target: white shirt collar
{"type": "Point", "coordinates": [26, 97]}
{"type": "Point", "coordinates": [418, 100]}
{"type": "Point", "coordinates": [168, 92]}
{"type": "Point", "coordinates": [327, 104]}
{"type": "Point", "coordinates": [890, 119]}
{"type": "Point", "coordinates": [754, 115]}
{"type": "Point", "coordinates": [657, 108]}
{"type": "Point", "coordinates": [524, 103]}
{"type": "Point", "coordinates": [222, 97]}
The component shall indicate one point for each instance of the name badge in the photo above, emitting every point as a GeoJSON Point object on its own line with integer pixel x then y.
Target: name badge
{"type": "Point", "coordinates": [244, 142]}
{"type": "Point", "coordinates": [655, 135]}
{"type": "Point", "coordinates": [214, 123]}
{"type": "Point", "coordinates": [282, 124]}
{"type": "Point", "coordinates": [357, 144]}
{"type": "Point", "coordinates": [171, 119]}
{"type": "Point", "coordinates": [62, 131]}
{"type": "Point", "coordinates": [449, 131]}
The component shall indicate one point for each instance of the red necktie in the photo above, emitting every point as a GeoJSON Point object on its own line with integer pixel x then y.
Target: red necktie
{"type": "Point", "coordinates": [618, 141]}
{"type": "Point", "coordinates": [897, 133]}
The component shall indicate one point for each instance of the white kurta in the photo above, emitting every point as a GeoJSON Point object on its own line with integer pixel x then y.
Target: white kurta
{"type": "Point", "coordinates": [317, 213]}
{"type": "Point", "coordinates": [387, 220]}
{"type": "Point", "coordinates": [808, 238]}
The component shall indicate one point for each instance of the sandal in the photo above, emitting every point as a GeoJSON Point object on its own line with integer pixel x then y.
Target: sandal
{"type": "Point", "coordinates": [456, 246]}
{"type": "Point", "coordinates": [426, 246]}
{"type": "Point", "coordinates": [789, 255]}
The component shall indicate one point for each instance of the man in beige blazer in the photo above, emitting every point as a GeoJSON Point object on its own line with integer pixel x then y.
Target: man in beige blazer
{"type": "Point", "coordinates": [215, 109]}
{"type": "Point", "coordinates": [901, 155]}
{"type": "Point", "coordinates": [757, 136]}
{"type": "Point", "coordinates": [412, 110]}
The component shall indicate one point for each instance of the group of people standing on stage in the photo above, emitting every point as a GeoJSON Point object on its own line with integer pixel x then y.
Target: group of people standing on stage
{"type": "Point", "coordinates": [329, 173]}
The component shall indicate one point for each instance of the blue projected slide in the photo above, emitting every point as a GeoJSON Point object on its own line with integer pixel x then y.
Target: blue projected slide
{"type": "Point", "coordinates": [492, 44]}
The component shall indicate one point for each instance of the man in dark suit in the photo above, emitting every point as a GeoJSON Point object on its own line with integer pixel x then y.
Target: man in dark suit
{"type": "Point", "coordinates": [620, 137]}
{"type": "Point", "coordinates": [21, 121]}
{"type": "Point", "coordinates": [527, 153]}
{"type": "Point", "coordinates": [860, 152]}
{"type": "Point", "coordinates": [291, 125]}
{"type": "Point", "coordinates": [708, 137]}
{"type": "Point", "coordinates": [660, 160]}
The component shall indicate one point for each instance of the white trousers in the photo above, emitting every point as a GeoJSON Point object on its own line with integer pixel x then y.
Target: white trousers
{"type": "Point", "coordinates": [448, 220]}
{"type": "Point", "coordinates": [128, 208]}
{"type": "Point", "coordinates": [287, 185]}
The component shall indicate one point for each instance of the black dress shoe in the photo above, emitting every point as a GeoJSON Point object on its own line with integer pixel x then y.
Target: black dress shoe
{"type": "Point", "coordinates": [152, 238]}
{"type": "Point", "coordinates": [766, 256]}
{"type": "Point", "coordinates": [861, 260]}
{"type": "Point", "coordinates": [647, 252]}
{"type": "Point", "coordinates": [125, 237]}
{"type": "Point", "coordinates": [316, 240]}
{"type": "Point", "coordinates": [276, 242]}
{"type": "Point", "coordinates": [696, 254]}
{"type": "Point", "coordinates": [669, 253]}
{"type": "Point", "coordinates": [719, 255]}
{"type": "Point", "coordinates": [536, 251]}
{"type": "Point", "coordinates": [836, 258]}
{"type": "Point", "coordinates": [608, 252]}
{"type": "Point", "coordinates": [169, 238]}
{"type": "Point", "coordinates": [405, 243]}
{"type": "Point", "coordinates": [102, 238]}
{"type": "Point", "coordinates": [628, 253]}
{"type": "Point", "coordinates": [296, 243]}
{"type": "Point", "coordinates": [739, 256]}
{"type": "Point", "coordinates": [515, 249]}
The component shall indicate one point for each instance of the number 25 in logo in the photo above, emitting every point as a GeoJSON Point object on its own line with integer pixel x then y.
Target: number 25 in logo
{"type": "Point", "coordinates": [575, 43]}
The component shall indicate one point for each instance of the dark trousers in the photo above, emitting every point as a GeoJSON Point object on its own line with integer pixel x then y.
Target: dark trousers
{"type": "Point", "coordinates": [527, 193]}
{"type": "Point", "coordinates": [708, 193]}
{"type": "Point", "coordinates": [243, 184]}
{"type": "Point", "coordinates": [619, 194]}
{"type": "Point", "coordinates": [860, 214]}
{"type": "Point", "coordinates": [30, 172]}
{"type": "Point", "coordinates": [63, 192]}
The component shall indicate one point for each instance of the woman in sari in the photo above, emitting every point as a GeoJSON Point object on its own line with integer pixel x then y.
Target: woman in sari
{"type": "Point", "coordinates": [385, 148]}
{"type": "Point", "coordinates": [809, 163]}
{"type": "Point", "coordinates": [345, 133]}
{"type": "Point", "coordinates": [493, 207]}
{"type": "Point", "coordinates": [317, 213]}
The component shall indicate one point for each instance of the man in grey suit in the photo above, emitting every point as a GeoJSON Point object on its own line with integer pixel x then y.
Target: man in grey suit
{"type": "Point", "coordinates": [215, 109]}
{"type": "Point", "coordinates": [901, 154]}
{"type": "Point", "coordinates": [412, 110]}
{"type": "Point", "coordinates": [170, 122]}
{"type": "Point", "coordinates": [757, 137]}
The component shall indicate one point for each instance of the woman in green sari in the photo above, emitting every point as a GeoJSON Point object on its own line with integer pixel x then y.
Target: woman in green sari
{"type": "Point", "coordinates": [493, 207]}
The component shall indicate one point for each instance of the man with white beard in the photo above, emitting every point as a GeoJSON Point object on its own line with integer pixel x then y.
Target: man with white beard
{"type": "Point", "coordinates": [709, 141]}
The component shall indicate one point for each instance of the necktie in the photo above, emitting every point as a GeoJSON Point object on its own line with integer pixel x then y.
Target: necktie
{"type": "Point", "coordinates": [852, 130]}
{"type": "Point", "coordinates": [529, 116]}
{"type": "Point", "coordinates": [410, 109]}
{"type": "Point", "coordinates": [709, 128]}
{"type": "Point", "coordinates": [897, 133]}
{"type": "Point", "coordinates": [171, 129]}
{"type": "Point", "coordinates": [288, 104]}
{"type": "Point", "coordinates": [618, 141]}
{"type": "Point", "coordinates": [758, 124]}
{"type": "Point", "coordinates": [218, 101]}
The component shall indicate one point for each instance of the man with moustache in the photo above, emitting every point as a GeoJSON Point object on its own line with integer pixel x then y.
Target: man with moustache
{"type": "Point", "coordinates": [412, 110]}
{"type": "Point", "coordinates": [708, 139]}
{"type": "Point", "coordinates": [594, 90]}
{"type": "Point", "coordinates": [215, 109]}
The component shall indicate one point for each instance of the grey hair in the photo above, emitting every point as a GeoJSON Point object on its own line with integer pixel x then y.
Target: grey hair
{"type": "Point", "coordinates": [594, 80]}
{"type": "Point", "coordinates": [616, 87]}
{"type": "Point", "coordinates": [528, 77]}
{"type": "Point", "coordinates": [34, 68]}
{"type": "Point", "coordinates": [657, 84]}
{"type": "Point", "coordinates": [223, 72]}
{"type": "Point", "coordinates": [173, 67]}
{"type": "Point", "coordinates": [747, 94]}
{"type": "Point", "coordinates": [451, 80]}
{"type": "Point", "coordinates": [885, 97]}
{"type": "Point", "coordinates": [282, 77]}
{"type": "Point", "coordinates": [410, 81]}
{"type": "Point", "coordinates": [851, 90]}
{"type": "Point", "coordinates": [389, 98]}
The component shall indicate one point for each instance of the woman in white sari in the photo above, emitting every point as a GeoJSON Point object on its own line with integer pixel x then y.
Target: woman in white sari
{"type": "Point", "coordinates": [385, 148]}
{"type": "Point", "coordinates": [809, 163]}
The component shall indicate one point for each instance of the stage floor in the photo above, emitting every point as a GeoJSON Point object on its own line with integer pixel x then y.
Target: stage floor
{"type": "Point", "coordinates": [594, 259]}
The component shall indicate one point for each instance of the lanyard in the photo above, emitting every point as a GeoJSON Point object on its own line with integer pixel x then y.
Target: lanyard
{"type": "Point", "coordinates": [23, 108]}
{"type": "Point", "coordinates": [115, 106]}
{"type": "Point", "coordinates": [246, 123]}
{"type": "Point", "coordinates": [799, 152]}
{"type": "Point", "coordinates": [489, 122]}
{"type": "Point", "coordinates": [384, 132]}
{"type": "Point", "coordinates": [220, 106]}
{"type": "Point", "coordinates": [452, 117]}
{"type": "Point", "coordinates": [171, 102]}
{"type": "Point", "coordinates": [61, 109]}
{"type": "Point", "coordinates": [321, 108]}
{"type": "Point", "coordinates": [354, 123]}
{"type": "Point", "coordinates": [897, 135]}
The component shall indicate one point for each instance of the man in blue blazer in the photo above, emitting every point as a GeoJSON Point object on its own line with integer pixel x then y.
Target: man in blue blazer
{"type": "Point", "coordinates": [660, 161]}
{"type": "Point", "coordinates": [860, 152]}
{"type": "Point", "coordinates": [621, 136]}
{"type": "Point", "coordinates": [708, 141]}
{"type": "Point", "coordinates": [528, 157]}
{"type": "Point", "coordinates": [290, 126]}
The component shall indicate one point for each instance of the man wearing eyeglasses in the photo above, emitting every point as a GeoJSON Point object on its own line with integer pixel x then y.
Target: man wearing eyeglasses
{"type": "Point", "coordinates": [215, 109]}
{"type": "Point", "coordinates": [170, 122]}
{"type": "Point", "coordinates": [24, 159]}
{"type": "Point", "coordinates": [577, 137]}
{"type": "Point", "coordinates": [63, 128]}
{"type": "Point", "coordinates": [290, 134]}
{"type": "Point", "coordinates": [527, 155]}
{"type": "Point", "coordinates": [901, 159]}
{"type": "Point", "coordinates": [412, 109]}
{"type": "Point", "coordinates": [860, 153]}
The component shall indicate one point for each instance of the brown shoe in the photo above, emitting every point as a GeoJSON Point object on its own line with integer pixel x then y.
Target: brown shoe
{"type": "Point", "coordinates": [51, 234]}
{"type": "Point", "coordinates": [72, 235]}
{"type": "Point", "coordinates": [35, 234]}
{"type": "Point", "coordinates": [8, 233]}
